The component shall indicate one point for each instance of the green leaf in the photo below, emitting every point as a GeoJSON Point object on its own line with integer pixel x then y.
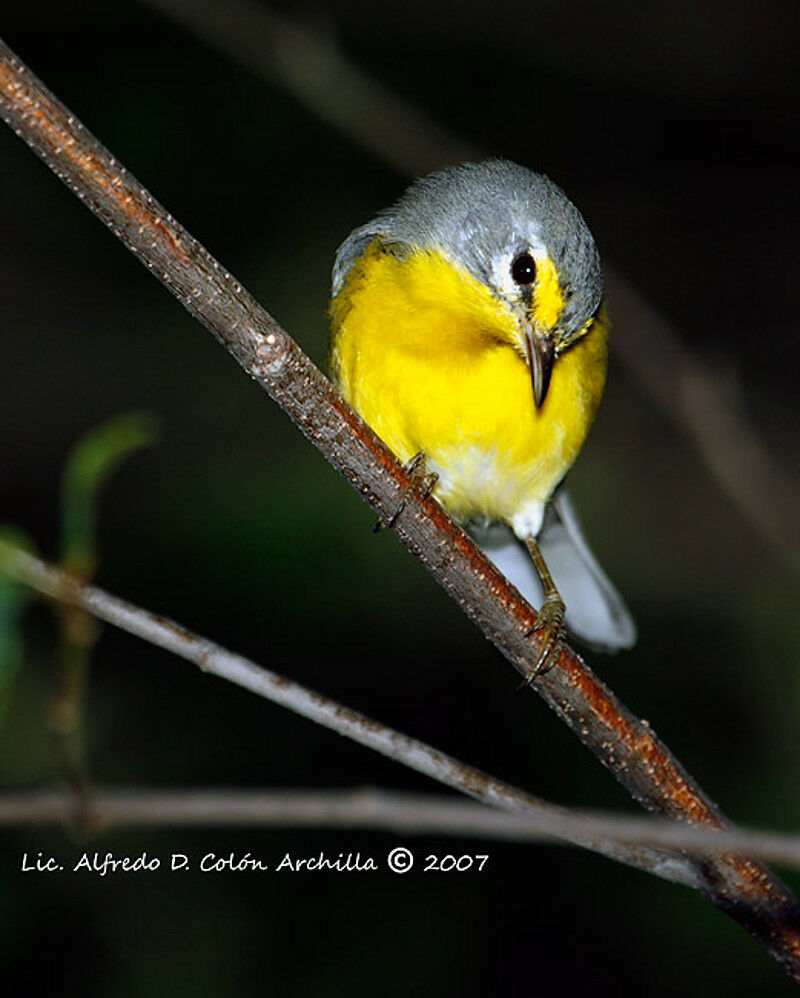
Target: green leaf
{"type": "Point", "coordinates": [14, 600]}
{"type": "Point", "coordinates": [90, 463]}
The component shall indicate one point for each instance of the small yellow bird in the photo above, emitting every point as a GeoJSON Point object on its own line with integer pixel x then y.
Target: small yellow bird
{"type": "Point", "coordinates": [468, 326]}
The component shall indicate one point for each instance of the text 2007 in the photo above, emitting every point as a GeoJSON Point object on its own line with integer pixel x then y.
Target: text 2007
{"type": "Point", "coordinates": [448, 863]}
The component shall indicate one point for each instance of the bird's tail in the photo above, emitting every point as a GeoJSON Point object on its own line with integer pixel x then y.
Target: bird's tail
{"type": "Point", "coordinates": [596, 614]}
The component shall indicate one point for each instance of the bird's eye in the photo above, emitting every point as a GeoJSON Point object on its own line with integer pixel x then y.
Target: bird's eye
{"type": "Point", "coordinates": [523, 269]}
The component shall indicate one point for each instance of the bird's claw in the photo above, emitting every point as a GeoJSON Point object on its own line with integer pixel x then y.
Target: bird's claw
{"type": "Point", "coordinates": [550, 624]}
{"type": "Point", "coordinates": [423, 482]}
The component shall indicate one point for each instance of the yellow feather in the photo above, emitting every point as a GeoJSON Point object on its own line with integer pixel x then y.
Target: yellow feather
{"type": "Point", "coordinates": [549, 301]}
{"type": "Point", "coordinates": [433, 362]}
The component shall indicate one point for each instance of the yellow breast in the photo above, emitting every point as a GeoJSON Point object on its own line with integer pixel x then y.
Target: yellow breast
{"type": "Point", "coordinates": [430, 359]}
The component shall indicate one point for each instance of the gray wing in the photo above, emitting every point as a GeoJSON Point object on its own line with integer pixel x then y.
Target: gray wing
{"type": "Point", "coordinates": [350, 250]}
{"type": "Point", "coordinates": [596, 613]}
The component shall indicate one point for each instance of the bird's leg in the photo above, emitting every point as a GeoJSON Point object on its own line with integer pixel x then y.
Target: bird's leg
{"type": "Point", "coordinates": [550, 619]}
{"type": "Point", "coordinates": [423, 482]}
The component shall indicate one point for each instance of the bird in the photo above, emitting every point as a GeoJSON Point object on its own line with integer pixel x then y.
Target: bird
{"type": "Point", "coordinates": [469, 330]}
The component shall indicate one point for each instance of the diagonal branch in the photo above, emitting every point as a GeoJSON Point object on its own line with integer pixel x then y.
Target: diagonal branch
{"type": "Point", "coordinates": [210, 657]}
{"type": "Point", "coordinates": [626, 745]}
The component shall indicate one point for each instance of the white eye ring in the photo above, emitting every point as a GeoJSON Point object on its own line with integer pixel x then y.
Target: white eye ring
{"type": "Point", "coordinates": [519, 245]}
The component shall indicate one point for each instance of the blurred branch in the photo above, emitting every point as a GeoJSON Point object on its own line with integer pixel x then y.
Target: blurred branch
{"type": "Point", "coordinates": [322, 79]}
{"type": "Point", "coordinates": [689, 394]}
{"type": "Point", "coordinates": [368, 808]}
{"type": "Point", "coordinates": [625, 744]}
{"type": "Point", "coordinates": [704, 403]}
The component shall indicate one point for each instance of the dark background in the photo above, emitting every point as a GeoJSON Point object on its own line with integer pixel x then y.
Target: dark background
{"type": "Point", "coordinates": [674, 127]}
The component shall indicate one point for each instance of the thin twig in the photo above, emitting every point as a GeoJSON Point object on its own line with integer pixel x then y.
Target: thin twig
{"type": "Point", "coordinates": [688, 393]}
{"type": "Point", "coordinates": [368, 808]}
{"type": "Point", "coordinates": [626, 745]}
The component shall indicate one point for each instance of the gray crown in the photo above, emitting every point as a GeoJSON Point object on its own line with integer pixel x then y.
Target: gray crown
{"type": "Point", "coordinates": [478, 212]}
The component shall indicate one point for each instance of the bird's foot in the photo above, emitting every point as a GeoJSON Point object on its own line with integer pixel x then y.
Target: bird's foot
{"type": "Point", "coordinates": [549, 620]}
{"type": "Point", "coordinates": [423, 482]}
{"type": "Point", "coordinates": [550, 624]}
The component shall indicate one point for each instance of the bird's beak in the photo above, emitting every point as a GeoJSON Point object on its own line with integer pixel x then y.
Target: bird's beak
{"type": "Point", "coordinates": [541, 354]}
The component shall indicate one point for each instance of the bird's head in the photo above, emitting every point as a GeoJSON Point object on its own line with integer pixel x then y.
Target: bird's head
{"type": "Point", "coordinates": [513, 231]}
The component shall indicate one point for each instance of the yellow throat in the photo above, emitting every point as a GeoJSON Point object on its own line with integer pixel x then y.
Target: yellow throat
{"type": "Point", "coordinates": [432, 361]}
